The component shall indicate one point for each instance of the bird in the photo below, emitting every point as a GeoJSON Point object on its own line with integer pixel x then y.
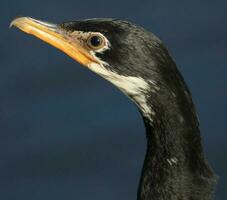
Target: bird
{"type": "Point", "coordinates": [137, 62]}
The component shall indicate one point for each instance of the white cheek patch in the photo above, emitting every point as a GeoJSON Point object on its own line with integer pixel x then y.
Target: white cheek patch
{"type": "Point", "coordinates": [134, 87]}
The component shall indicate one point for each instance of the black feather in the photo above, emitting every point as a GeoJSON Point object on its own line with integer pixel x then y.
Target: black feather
{"type": "Point", "coordinates": [174, 131]}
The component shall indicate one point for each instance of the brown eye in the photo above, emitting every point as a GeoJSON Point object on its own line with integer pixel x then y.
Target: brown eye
{"type": "Point", "coordinates": [95, 42]}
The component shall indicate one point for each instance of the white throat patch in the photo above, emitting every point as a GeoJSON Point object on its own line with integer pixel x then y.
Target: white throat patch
{"type": "Point", "coordinates": [134, 87]}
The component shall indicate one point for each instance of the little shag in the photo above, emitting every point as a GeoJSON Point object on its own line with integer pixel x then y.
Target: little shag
{"type": "Point", "coordinates": [136, 62]}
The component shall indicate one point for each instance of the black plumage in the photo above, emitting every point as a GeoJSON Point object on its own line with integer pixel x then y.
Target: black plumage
{"type": "Point", "coordinates": [174, 166]}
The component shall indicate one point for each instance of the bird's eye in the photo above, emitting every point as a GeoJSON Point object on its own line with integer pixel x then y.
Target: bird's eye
{"type": "Point", "coordinates": [95, 42]}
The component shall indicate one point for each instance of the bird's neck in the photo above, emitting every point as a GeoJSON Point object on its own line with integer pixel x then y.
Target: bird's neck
{"type": "Point", "coordinates": [174, 166]}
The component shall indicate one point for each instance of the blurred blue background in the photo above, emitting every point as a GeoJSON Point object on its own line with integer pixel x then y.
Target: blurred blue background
{"type": "Point", "coordinates": [66, 133]}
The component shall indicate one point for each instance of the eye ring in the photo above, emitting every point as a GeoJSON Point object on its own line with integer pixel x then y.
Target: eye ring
{"type": "Point", "coordinates": [95, 41]}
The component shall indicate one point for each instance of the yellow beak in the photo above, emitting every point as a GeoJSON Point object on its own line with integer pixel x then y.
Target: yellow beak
{"type": "Point", "coordinates": [57, 37]}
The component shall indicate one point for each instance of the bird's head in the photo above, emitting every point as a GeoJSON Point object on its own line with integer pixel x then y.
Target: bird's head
{"type": "Point", "coordinates": [128, 56]}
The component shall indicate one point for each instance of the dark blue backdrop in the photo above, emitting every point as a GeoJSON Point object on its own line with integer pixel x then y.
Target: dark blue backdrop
{"type": "Point", "coordinates": [66, 133]}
